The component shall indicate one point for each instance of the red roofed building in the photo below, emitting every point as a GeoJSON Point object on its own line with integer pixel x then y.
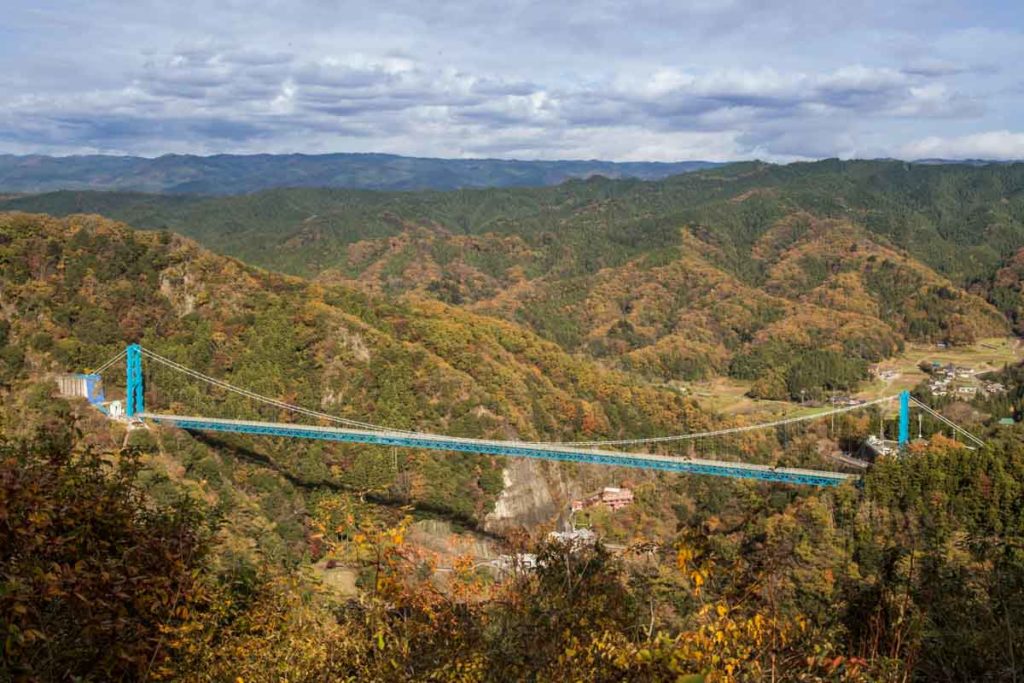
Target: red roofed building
{"type": "Point", "coordinates": [614, 497]}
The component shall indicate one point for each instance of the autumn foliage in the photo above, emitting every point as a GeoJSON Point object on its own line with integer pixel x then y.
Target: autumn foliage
{"type": "Point", "coordinates": [93, 581]}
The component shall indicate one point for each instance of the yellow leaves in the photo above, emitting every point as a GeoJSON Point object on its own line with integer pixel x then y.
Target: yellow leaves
{"type": "Point", "coordinates": [687, 562]}
{"type": "Point", "coordinates": [733, 643]}
{"type": "Point", "coordinates": [396, 536]}
{"type": "Point", "coordinates": [463, 564]}
{"type": "Point", "coordinates": [684, 556]}
{"type": "Point", "coordinates": [32, 635]}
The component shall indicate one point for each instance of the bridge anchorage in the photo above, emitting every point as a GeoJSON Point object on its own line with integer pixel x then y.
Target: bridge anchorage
{"type": "Point", "coordinates": [591, 452]}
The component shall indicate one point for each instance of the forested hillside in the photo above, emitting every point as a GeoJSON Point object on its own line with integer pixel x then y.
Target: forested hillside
{"type": "Point", "coordinates": [74, 291]}
{"type": "Point", "coordinates": [962, 220]}
{"type": "Point", "coordinates": [918, 577]}
{"type": "Point", "coordinates": [749, 270]}
{"type": "Point", "coordinates": [161, 555]}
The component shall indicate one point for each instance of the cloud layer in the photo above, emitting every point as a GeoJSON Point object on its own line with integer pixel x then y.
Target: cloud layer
{"type": "Point", "coordinates": [626, 81]}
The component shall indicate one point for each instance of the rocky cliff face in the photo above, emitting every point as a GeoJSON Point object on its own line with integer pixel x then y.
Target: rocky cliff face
{"type": "Point", "coordinates": [536, 494]}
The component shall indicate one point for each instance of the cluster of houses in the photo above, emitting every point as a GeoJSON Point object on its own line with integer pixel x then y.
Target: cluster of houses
{"type": "Point", "coordinates": [959, 381]}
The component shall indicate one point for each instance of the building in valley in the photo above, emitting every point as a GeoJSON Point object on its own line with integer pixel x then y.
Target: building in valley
{"type": "Point", "coordinates": [613, 497]}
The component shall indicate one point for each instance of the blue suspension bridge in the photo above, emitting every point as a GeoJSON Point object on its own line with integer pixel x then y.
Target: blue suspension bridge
{"type": "Point", "coordinates": [590, 452]}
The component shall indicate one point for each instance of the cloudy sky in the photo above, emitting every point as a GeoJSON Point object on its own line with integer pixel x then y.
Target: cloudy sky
{"type": "Point", "coordinates": [641, 80]}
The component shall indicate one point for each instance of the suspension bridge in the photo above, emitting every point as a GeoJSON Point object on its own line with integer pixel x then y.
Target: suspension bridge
{"type": "Point", "coordinates": [605, 452]}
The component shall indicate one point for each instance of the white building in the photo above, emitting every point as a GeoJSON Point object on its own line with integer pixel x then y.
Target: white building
{"type": "Point", "coordinates": [575, 538]}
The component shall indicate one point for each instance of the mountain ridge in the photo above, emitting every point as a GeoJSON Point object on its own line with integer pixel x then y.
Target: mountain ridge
{"type": "Point", "coordinates": [750, 269]}
{"type": "Point", "coordinates": [226, 174]}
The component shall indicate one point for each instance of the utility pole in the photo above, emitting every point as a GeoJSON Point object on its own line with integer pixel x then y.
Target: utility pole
{"type": "Point", "coordinates": [833, 403]}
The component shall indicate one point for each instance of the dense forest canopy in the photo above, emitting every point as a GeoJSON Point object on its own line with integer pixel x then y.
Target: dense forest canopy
{"type": "Point", "coordinates": [934, 211]}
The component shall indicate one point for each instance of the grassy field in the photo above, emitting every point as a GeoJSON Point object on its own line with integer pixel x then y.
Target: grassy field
{"type": "Point", "coordinates": [726, 396]}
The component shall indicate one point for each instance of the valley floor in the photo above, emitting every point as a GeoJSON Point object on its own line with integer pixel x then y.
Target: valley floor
{"type": "Point", "coordinates": [728, 396]}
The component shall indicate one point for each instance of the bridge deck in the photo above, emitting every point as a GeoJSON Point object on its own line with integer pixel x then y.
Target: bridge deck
{"type": "Point", "coordinates": [517, 449]}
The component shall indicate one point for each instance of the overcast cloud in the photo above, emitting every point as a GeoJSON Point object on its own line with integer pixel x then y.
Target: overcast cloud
{"type": "Point", "coordinates": [644, 80]}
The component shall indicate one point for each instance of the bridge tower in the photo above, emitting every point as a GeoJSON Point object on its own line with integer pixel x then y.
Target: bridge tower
{"type": "Point", "coordinates": [134, 399]}
{"type": "Point", "coordinates": [904, 437]}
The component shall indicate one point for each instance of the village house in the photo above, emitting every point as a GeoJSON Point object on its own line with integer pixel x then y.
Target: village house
{"type": "Point", "coordinates": [939, 386]}
{"type": "Point", "coordinates": [951, 371]}
{"type": "Point", "coordinates": [994, 388]}
{"type": "Point", "coordinates": [884, 374]}
{"type": "Point", "coordinates": [876, 447]}
{"type": "Point", "coordinates": [613, 497]}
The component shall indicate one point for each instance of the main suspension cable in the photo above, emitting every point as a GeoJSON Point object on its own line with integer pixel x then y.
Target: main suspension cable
{"type": "Point", "coordinates": [949, 422]}
{"type": "Point", "coordinates": [266, 399]}
{"type": "Point", "coordinates": [721, 432]}
{"type": "Point", "coordinates": [110, 362]}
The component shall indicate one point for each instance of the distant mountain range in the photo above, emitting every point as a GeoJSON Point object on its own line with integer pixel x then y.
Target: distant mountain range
{"type": "Point", "coordinates": [239, 174]}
